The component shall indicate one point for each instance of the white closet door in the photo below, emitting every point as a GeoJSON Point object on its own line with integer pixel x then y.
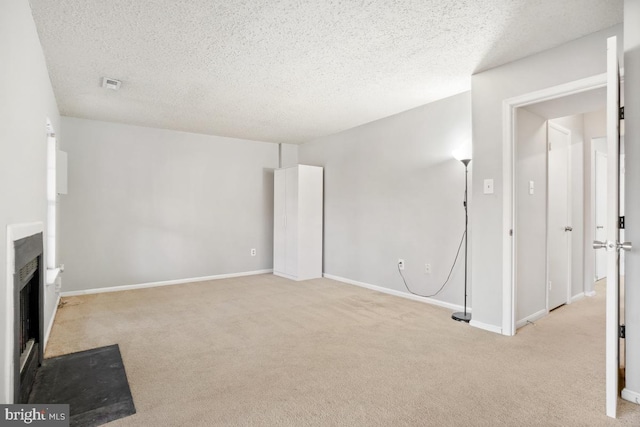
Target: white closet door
{"type": "Point", "coordinates": [291, 222]}
{"type": "Point", "coordinates": [279, 214]}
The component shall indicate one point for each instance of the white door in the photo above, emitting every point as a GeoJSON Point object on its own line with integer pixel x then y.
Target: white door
{"type": "Point", "coordinates": [559, 216]}
{"type": "Point", "coordinates": [291, 222]}
{"type": "Point", "coordinates": [612, 244]}
{"type": "Point", "coordinates": [600, 212]}
{"type": "Point", "coordinates": [279, 218]}
{"type": "Point", "coordinates": [621, 213]}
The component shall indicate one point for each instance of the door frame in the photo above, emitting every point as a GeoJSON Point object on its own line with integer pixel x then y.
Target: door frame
{"type": "Point", "coordinates": [569, 183]}
{"type": "Point", "coordinates": [509, 127]}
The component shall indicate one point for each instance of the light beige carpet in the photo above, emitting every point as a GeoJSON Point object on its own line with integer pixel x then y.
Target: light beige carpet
{"type": "Point", "coordinates": [264, 351]}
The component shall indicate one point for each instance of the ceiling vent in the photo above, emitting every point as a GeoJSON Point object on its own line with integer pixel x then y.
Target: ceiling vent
{"type": "Point", "coordinates": [112, 84]}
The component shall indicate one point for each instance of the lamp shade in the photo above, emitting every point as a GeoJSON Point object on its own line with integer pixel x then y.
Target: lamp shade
{"type": "Point", "coordinates": [462, 153]}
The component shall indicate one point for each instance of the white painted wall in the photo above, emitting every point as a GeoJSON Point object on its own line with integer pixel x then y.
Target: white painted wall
{"type": "Point", "coordinates": [148, 205]}
{"type": "Point", "coordinates": [289, 155]}
{"type": "Point", "coordinates": [393, 190]}
{"type": "Point", "coordinates": [632, 201]}
{"type": "Point", "coordinates": [578, 59]}
{"type": "Point", "coordinates": [595, 125]}
{"type": "Point", "coordinates": [531, 213]}
{"type": "Point", "coordinates": [26, 101]}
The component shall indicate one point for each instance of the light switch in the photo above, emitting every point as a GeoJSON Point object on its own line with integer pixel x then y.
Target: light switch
{"type": "Point", "coordinates": [530, 187]}
{"type": "Point", "coordinates": [488, 186]}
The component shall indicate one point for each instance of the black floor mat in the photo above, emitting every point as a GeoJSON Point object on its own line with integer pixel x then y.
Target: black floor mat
{"type": "Point", "coordinates": [93, 383]}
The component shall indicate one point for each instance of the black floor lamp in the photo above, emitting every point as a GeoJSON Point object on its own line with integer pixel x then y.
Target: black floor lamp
{"type": "Point", "coordinates": [465, 158]}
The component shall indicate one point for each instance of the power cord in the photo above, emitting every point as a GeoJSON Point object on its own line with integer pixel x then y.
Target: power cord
{"type": "Point", "coordinates": [448, 277]}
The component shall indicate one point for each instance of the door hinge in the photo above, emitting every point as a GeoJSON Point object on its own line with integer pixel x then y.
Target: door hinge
{"type": "Point", "coordinates": [621, 113]}
{"type": "Point", "coordinates": [622, 331]}
{"type": "Point", "coordinates": [621, 222]}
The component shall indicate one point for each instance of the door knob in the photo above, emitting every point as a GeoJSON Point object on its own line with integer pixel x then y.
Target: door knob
{"type": "Point", "coordinates": [625, 246]}
{"type": "Point", "coordinates": [608, 245]}
{"type": "Point", "coordinates": [568, 228]}
{"type": "Point", "coordinates": [599, 227]}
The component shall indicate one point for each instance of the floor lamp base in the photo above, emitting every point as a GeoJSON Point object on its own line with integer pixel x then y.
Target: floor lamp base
{"type": "Point", "coordinates": [461, 316]}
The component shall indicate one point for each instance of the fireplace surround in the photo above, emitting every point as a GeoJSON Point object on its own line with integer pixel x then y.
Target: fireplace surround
{"type": "Point", "coordinates": [27, 271]}
{"type": "Point", "coordinates": [28, 310]}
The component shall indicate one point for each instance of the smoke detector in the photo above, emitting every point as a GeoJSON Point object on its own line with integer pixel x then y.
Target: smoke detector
{"type": "Point", "coordinates": [109, 83]}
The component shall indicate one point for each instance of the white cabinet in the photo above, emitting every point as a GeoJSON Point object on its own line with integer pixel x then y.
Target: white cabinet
{"type": "Point", "coordinates": [297, 233]}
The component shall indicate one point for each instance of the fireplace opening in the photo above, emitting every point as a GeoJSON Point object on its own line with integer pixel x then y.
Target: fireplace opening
{"type": "Point", "coordinates": [28, 309]}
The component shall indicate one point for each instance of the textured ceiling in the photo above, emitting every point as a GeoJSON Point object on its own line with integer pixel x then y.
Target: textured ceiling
{"type": "Point", "coordinates": [288, 70]}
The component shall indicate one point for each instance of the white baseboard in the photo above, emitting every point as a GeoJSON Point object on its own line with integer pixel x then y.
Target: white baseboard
{"type": "Point", "coordinates": [631, 396]}
{"type": "Point", "coordinates": [163, 283]}
{"type": "Point", "coordinates": [432, 301]}
{"type": "Point", "coordinates": [590, 293]}
{"type": "Point", "coordinates": [53, 318]}
{"type": "Point", "coordinates": [532, 318]}
{"type": "Point", "coordinates": [577, 297]}
{"type": "Point", "coordinates": [486, 327]}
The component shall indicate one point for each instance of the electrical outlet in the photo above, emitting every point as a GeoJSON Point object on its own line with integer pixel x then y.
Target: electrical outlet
{"type": "Point", "coordinates": [427, 269]}
{"type": "Point", "coordinates": [401, 264]}
{"type": "Point", "coordinates": [253, 252]}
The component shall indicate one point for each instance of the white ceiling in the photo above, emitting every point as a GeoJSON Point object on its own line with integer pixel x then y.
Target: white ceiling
{"type": "Point", "coordinates": [288, 70]}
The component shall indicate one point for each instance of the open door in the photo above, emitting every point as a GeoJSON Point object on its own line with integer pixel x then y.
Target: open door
{"type": "Point", "coordinates": [612, 245]}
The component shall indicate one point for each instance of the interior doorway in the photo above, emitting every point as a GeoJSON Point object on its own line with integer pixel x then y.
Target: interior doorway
{"type": "Point", "coordinates": [553, 195]}
{"type": "Point", "coordinates": [610, 82]}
